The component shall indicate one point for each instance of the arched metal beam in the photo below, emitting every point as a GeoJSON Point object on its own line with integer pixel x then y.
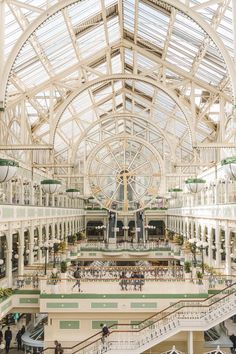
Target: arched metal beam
{"type": "Point", "coordinates": [63, 4]}
{"type": "Point", "coordinates": [141, 141]}
{"type": "Point", "coordinates": [122, 77]}
{"type": "Point", "coordinates": [128, 116]}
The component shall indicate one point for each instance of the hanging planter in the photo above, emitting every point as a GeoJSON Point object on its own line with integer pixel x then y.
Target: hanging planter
{"type": "Point", "coordinates": [175, 192]}
{"type": "Point", "coordinates": [8, 169]}
{"type": "Point", "coordinates": [195, 185]}
{"type": "Point", "coordinates": [229, 166]}
{"type": "Point", "coordinates": [50, 185]}
{"type": "Point", "coordinates": [73, 193]}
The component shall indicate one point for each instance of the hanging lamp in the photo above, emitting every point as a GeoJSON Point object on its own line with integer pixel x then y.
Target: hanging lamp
{"type": "Point", "coordinates": [51, 186]}
{"type": "Point", "coordinates": [229, 167]}
{"type": "Point", "coordinates": [8, 169]}
{"type": "Point", "coordinates": [73, 193]}
{"type": "Point", "coordinates": [195, 185]}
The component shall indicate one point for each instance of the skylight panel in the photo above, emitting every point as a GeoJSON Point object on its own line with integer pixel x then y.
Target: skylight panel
{"type": "Point", "coordinates": [86, 42]}
{"type": "Point", "coordinates": [113, 29]}
{"type": "Point", "coordinates": [84, 10]}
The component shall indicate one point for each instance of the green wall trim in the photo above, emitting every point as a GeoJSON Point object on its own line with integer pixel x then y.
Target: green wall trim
{"type": "Point", "coordinates": [27, 300]}
{"type": "Point", "coordinates": [104, 305]}
{"type": "Point", "coordinates": [143, 305]}
{"type": "Point", "coordinates": [28, 292]}
{"type": "Point", "coordinates": [213, 291]}
{"type": "Point", "coordinates": [7, 212]}
{"type": "Point", "coordinates": [124, 296]}
{"type": "Point", "coordinates": [69, 325]}
{"type": "Point", "coordinates": [62, 305]}
{"type": "Point", "coordinates": [96, 324]}
{"type": "Point", "coordinates": [4, 307]}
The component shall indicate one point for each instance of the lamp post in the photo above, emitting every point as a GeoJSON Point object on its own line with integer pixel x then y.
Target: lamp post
{"type": "Point", "coordinates": [201, 246]}
{"type": "Point", "coordinates": [46, 246]}
{"type": "Point", "coordinates": [55, 250]}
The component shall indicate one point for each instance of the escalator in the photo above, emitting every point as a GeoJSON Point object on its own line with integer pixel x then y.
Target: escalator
{"type": "Point", "coordinates": [217, 336]}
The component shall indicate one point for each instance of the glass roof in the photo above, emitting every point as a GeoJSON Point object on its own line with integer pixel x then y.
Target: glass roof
{"type": "Point", "coordinates": [143, 59]}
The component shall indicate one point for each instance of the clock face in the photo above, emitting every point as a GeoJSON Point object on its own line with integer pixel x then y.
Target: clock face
{"type": "Point", "coordinates": [124, 175]}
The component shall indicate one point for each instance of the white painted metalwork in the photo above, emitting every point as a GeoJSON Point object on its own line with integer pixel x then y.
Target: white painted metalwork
{"type": "Point", "coordinates": [75, 73]}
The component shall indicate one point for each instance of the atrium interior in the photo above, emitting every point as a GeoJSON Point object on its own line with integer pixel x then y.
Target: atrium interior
{"type": "Point", "coordinates": [118, 176]}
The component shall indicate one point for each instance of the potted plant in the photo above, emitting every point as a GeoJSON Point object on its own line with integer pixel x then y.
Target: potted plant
{"type": "Point", "coordinates": [62, 246]}
{"type": "Point", "coordinates": [63, 267]}
{"type": "Point", "coordinates": [199, 277]}
{"type": "Point", "coordinates": [73, 239]}
{"type": "Point", "coordinates": [81, 236]}
{"type": "Point", "coordinates": [187, 270]}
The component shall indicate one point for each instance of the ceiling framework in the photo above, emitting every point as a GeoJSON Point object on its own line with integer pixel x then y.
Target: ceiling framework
{"type": "Point", "coordinates": [80, 72]}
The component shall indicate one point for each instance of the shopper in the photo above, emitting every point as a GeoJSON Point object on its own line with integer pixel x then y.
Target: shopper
{"type": "Point", "coordinates": [19, 340]}
{"type": "Point", "coordinates": [77, 283]}
{"type": "Point", "coordinates": [8, 338]}
{"type": "Point", "coordinates": [105, 332]}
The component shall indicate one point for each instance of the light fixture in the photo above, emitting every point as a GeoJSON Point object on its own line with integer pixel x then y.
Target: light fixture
{"type": "Point", "coordinates": [73, 193]}
{"type": "Point", "coordinates": [229, 167]}
{"type": "Point", "coordinates": [1, 262]}
{"type": "Point", "coordinates": [8, 169]}
{"type": "Point", "coordinates": [51, 186]}
{"type": "Point", "coordinates": [195, 185]}
{"type": "Point", "coordinates": [175, 192]}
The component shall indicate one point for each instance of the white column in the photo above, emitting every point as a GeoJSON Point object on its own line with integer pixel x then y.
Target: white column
{"type": "Point", "coordinates": [9, 256]}
{"type": "Point", "coordinates": [190, 342]}
{"type": "Point", "coordinates": [227, 251]}
{"type": "Point", "coordinates": [40, 241]}
{"type": "Point", "coordinates": [21, 259]}
{"type": "Point", "coordinates": [210, 247]}
{"type": "Point", "coordinates": [31, 245]}
{"type": "Point", "coordinates": [32, 192]}
{"type": "Point", "coordinates": [21, 186]}
{"type": "Point", "coordinates": [40, 196]}
{"type": "Point", "coordinates": [218, 245]}
{"type": "Point", "coordinates": [53, 230]}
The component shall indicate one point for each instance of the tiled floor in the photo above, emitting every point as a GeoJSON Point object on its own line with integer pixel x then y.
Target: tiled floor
{"type": "Point", "coordinates": [113, 287]}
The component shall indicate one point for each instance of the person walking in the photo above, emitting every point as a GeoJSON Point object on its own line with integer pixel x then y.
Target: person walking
{"type": "Point", "coordinates": [58, 347]}
{"type": "Point", "coordinates": [19, 340]}
{"type": "Point", "coordinates": [105, 332]}
{"type": "Point", "coordinates": [22, 330]}
{"type": "Point", "coordinates": [8, 338]}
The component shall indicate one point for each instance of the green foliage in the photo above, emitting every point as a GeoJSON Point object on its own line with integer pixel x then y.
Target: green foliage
{"type": "Point", "coordinates": [170, 234]}
{"type": "Point", "coordinates": [187, 267]}
{"type": "Point", "coordinates": [81, 235]}
{"type": "Point", "coordinates": [74, 239]}
{"type": "Point", "coordinates": [199, 274]}
{"type": "Point", "coordinates": [63, 267]}
{"type": "Point", "coordinates": [179, 239]}
{"type": "Point", "coordinates": [5, 292]}
{"type": "Point", "coordinates": [62, 246]}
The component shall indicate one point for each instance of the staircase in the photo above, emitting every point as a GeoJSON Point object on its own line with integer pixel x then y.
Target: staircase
{"type": "Point", "coordinates": [182, 316]}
